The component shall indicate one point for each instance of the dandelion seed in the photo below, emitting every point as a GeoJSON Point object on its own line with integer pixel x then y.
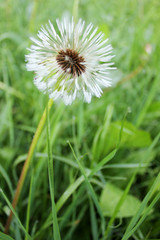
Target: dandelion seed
{"type": "Point", "coordinates": [74, 62]}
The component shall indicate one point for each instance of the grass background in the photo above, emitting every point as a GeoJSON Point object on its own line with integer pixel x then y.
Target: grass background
{"type": "Point", "coordinates": [92, 129]}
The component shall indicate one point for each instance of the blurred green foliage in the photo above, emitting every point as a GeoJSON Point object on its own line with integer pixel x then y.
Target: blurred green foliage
{"type": "Point", "coordinates": [93, 129]}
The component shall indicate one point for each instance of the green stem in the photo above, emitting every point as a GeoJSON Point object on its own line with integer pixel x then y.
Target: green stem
{"type": "Point", "coordinates": [51, 183]}
{"type": "Point", "coordinates": [29, 205]}
{"type": "Point", "coordinates": [27, 163]}
{"type": "Point", "coordinates": [33, 15]}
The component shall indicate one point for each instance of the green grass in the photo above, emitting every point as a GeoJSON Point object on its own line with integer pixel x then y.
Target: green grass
{"type": "Point", "coordinates": [94, 155]}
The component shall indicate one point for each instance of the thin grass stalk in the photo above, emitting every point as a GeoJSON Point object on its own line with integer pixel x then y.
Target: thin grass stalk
{"type": "Point", "coordinates": [27, 164]}
{"type": "Point", "coordinates": [29, 205]}
{"type": "Point", "coordinates": [91, 190]}
{"type": "Point", "coordinates": [56, 232]}
{"type": "Point", "coordinates": [15, 214]}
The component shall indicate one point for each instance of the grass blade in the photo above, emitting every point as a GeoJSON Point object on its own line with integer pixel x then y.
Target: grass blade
{"type": "Point", "coordinates": [51, 182]}
{"type": "Point", "coordinates": [15, 214]}
{"type": "Point", "coordinates": [91, 190]}
{"type": "Point", "coordinates": [29, 206]}
{"type": "Point", "coordinates": [6, 177]}
{"type": "Point", "coordinates": [129, 234]}
{"type": "Point", "coordinates": [119, 204]}
{"type": "Point", "coordinates": [94, 226]}
{"type": "Point", "coordinates": [148, 101]}
{"type": "Point", "coordinates": [71, 230]}
{"type": "Point", "coordinates": [141, 209]}
{"type": "Point", "coordinates": [71, 207]}
{"type": "Point", "coordinates": [5, 237]}
{"type": "Point", "coordinates": [100, 165]}
{"type": "Point", "coordinates": [68, 192]}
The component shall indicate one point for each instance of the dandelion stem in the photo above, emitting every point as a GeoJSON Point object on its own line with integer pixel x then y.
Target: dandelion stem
{"type": "Point", "coordinates": [27, 163]}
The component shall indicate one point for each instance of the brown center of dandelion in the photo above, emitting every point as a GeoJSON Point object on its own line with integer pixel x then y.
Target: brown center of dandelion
{"type": "Point", "coordinates": [70, 61]}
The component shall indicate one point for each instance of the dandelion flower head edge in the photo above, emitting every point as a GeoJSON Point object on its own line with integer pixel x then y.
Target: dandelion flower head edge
{"type": "Point", "coordinates": [71, 63]}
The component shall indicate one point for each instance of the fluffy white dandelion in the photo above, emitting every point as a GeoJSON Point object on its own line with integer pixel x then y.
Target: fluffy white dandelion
{"type": "Point", "coordinates": [74, 62]}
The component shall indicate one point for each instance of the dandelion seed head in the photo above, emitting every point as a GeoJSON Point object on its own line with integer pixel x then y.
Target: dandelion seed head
{"type": "Point", "coordinates": [71, 63]}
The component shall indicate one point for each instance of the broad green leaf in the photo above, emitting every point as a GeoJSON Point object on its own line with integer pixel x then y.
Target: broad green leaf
{"type": "Point", "coordinates": [139, 159]}
{"type": "Point", "coordinates": [132, 137]}
{"type": "Point", "coordinates": [106, 138]}
{"type": "Point", "coordinates": [110, 197]}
